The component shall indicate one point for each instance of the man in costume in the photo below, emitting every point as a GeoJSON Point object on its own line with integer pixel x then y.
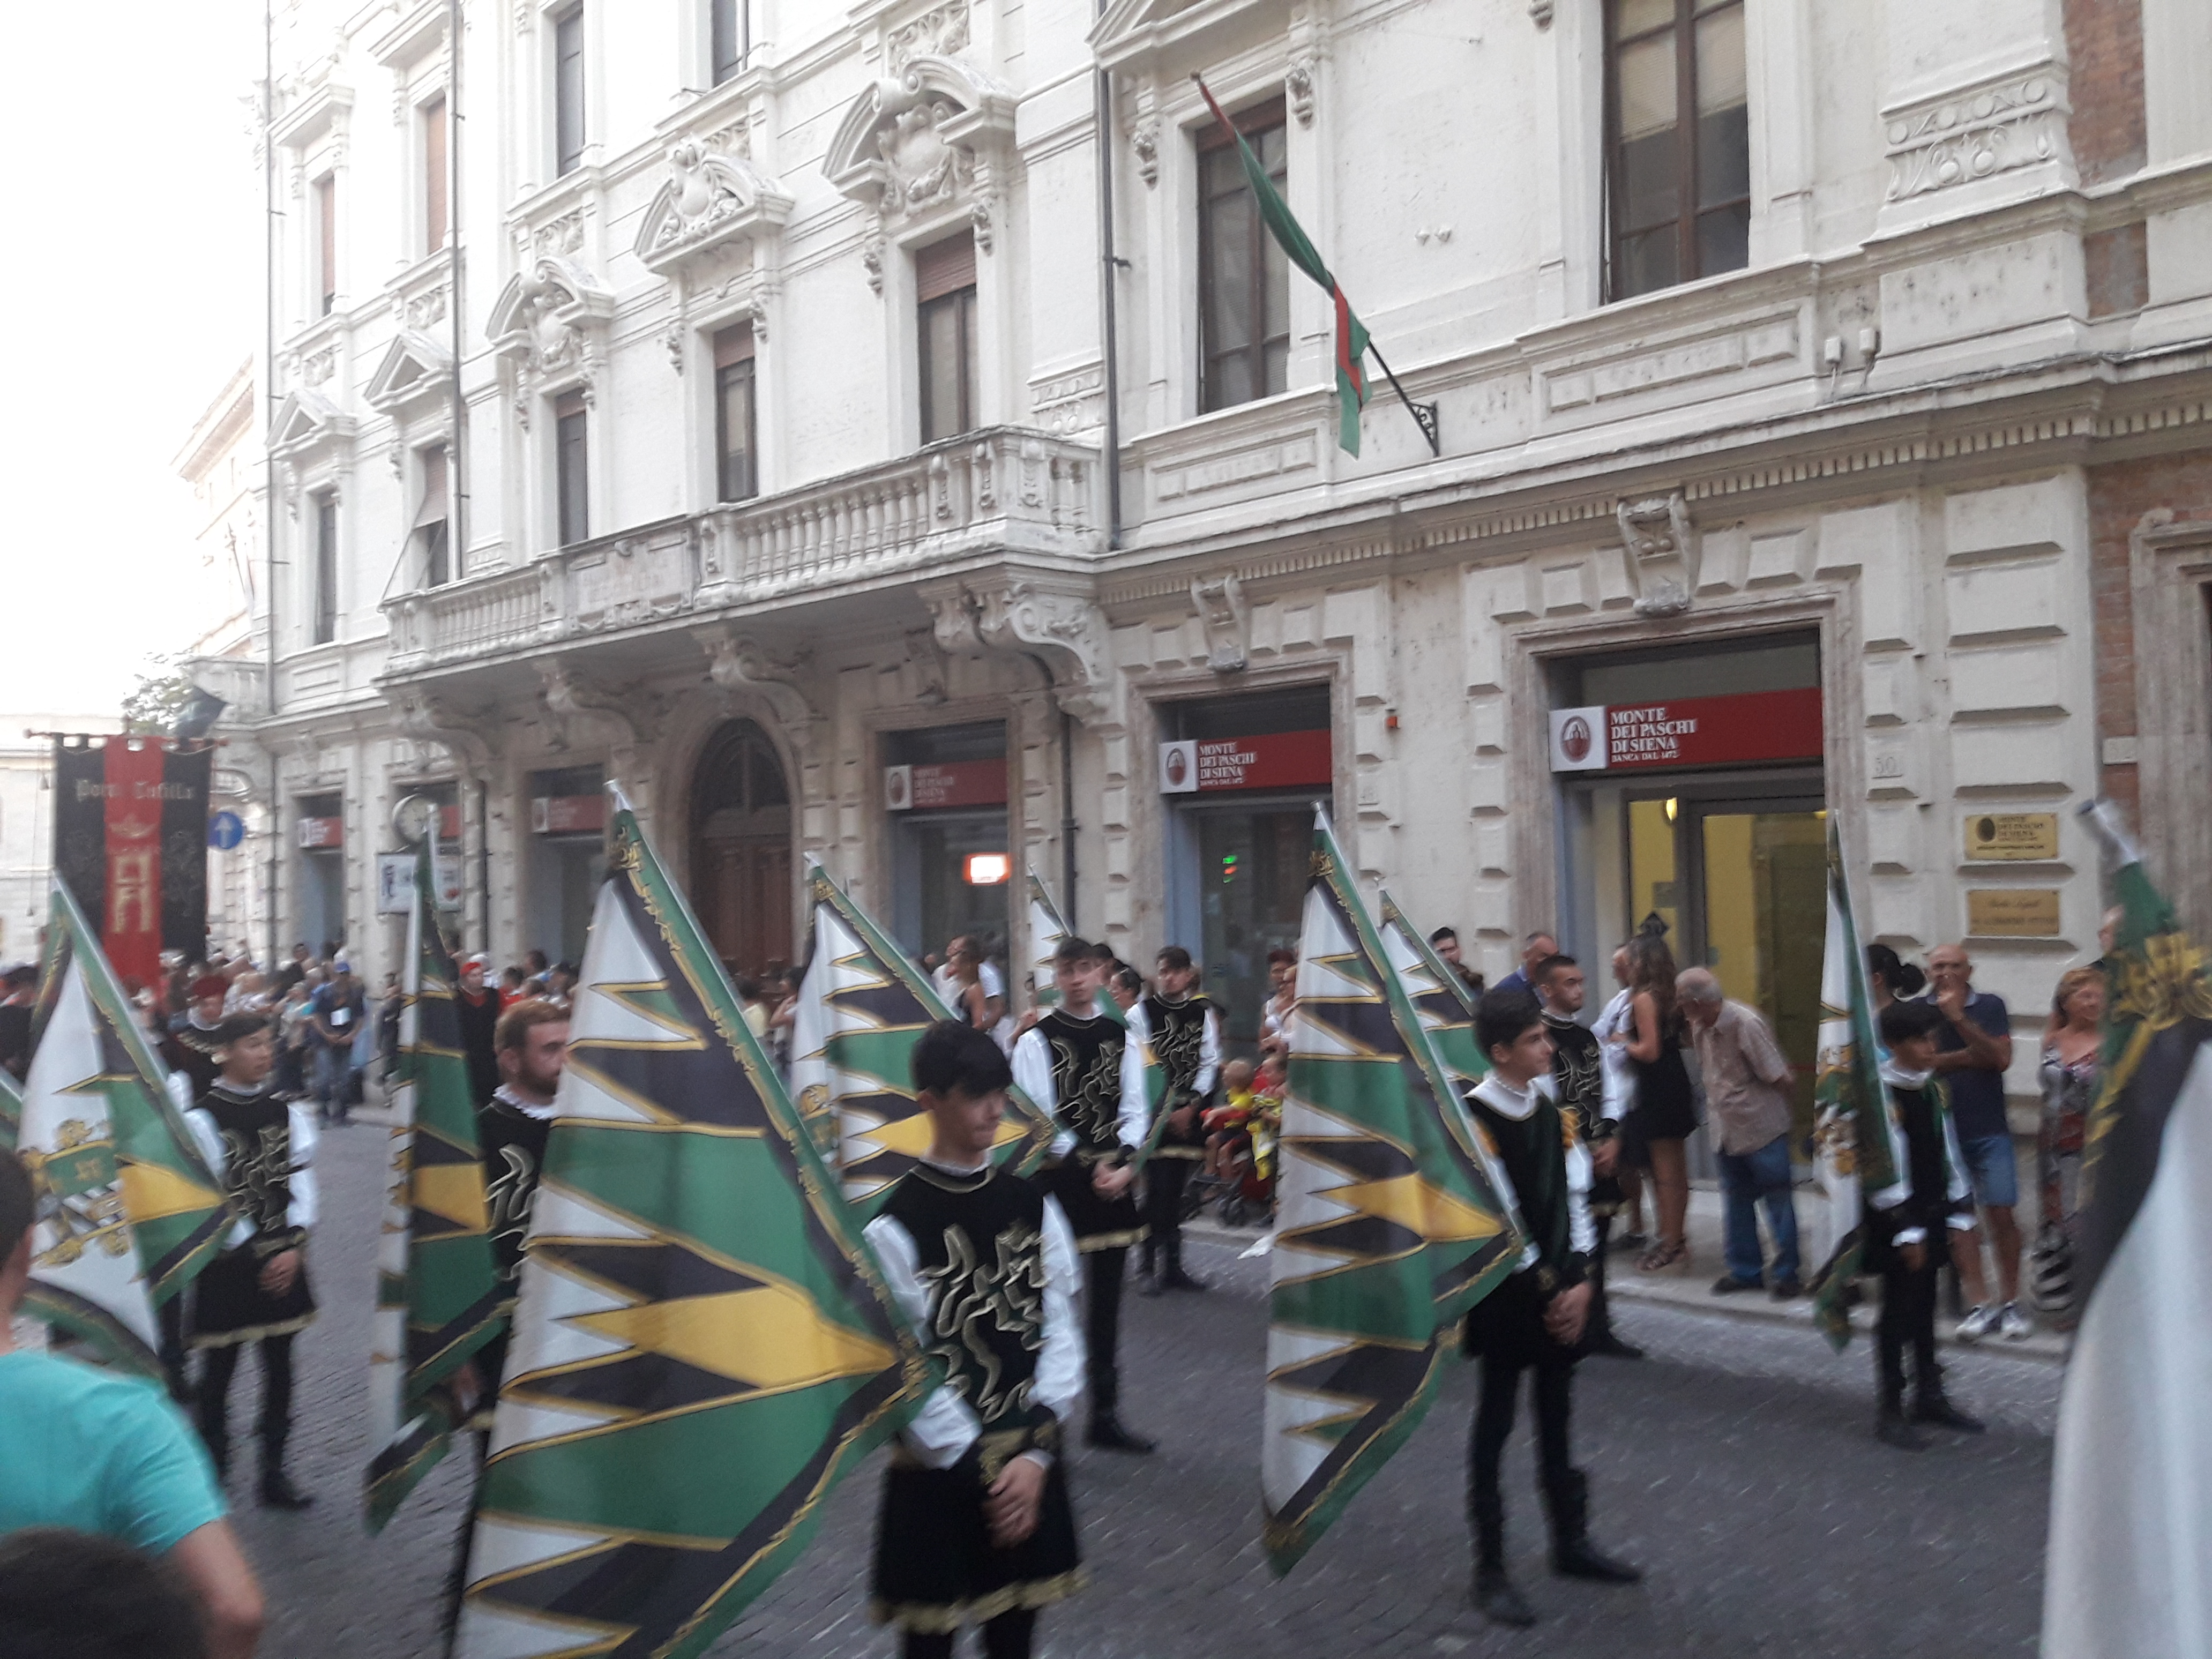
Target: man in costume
{"type": "Point", "coordinates": [532, 1041]}
{"type": "Point", "coordinates": [1185, 1031]}
{"type": "Point", "coordinates": [976, 1528]}
{"type": "Point", "coordinates": [190, 1047]}
{"type": "Point", "coordinates": [1578, 1075]}
{"type": "Point", "coordinates": [261, 1148]}
{"type": "Point", "coordinates": [476, 1003]}
{"type": "Point", "coordinates": [1536, 1320]}
{"type": "Point", "coordinates": [1078, 1064]}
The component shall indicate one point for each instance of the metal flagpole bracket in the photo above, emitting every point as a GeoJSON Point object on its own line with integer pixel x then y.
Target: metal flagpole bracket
{"type": "Point", "coordinates": [1424, 415]}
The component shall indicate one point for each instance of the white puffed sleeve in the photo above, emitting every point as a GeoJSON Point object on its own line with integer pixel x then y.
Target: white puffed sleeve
{"type": "Point", "coordinates": [306, 1196]}
{"type": "Point", "coordinates": [1032, 1066]}
{"type": "Point", "coordinates": [946, 1425]}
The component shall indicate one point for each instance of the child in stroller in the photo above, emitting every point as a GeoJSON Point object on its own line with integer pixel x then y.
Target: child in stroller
{"type": "Point", "coordinates": [1240, 1145]}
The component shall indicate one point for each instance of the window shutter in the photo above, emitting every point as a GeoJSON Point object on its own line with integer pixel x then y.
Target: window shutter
{"type": "Point", "coordinates": [945, 267]}
{"type": "Point", "coordinates": [433, 510]}
{"type": "Point", "coordinates": [567, 404]}
{"type": "Point", "coordinates": [733, 345]}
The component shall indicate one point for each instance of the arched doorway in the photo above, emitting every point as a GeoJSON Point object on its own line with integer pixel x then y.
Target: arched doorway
{"type": "Point", "coordinates": [741, 849]}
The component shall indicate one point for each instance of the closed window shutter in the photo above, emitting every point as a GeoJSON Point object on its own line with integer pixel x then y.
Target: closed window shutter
{"type": "Point", "coordinates": [945, 267]}
{"type": "Point", "coordinates": [733, 345]}
{"type": "Point", "coordinates": [433, 510]}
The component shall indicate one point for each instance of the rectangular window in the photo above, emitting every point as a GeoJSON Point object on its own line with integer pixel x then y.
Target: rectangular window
{"type": "Point", "coordinates": [736, 476]}
{"type": "Point", "coordinates": [944, 287]}
{"type": "Point", "coordinates": [326, 569]}
{"type": "Point", "coordinates": [571, 459]}
{"type": "Point", "coordinates": [731, 27]}
{"type": "Point", "coordinates": [1243, 278]}
{"type": "Point", "coordinates": [434, 175]}
{"type": "Point", "coordinates": [1678, 141]}
{"type": "Point", "coordinates": [569, 90]}
{"type": "Point", "coordinates": [326, 245]}
{"type": "Point", "coordinates": [431, 519]}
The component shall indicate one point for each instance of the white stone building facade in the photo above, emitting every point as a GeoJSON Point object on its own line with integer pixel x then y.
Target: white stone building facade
{"type": "Point", "coordinates": [1852, 467]}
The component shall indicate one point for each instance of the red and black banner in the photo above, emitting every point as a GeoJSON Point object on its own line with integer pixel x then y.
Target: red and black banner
{"type": "Point", "coordinates": [130, 827]}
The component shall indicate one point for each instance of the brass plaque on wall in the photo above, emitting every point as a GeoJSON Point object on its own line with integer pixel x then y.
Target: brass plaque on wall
{"type": "Point", "coordinates": [2013, 912]}
{"type": "Point", "coordinates": [2005, 837]}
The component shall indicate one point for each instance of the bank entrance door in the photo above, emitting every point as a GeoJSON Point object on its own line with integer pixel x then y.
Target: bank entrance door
{"type": "Point", "coordinates": [1239, 877]}
{"type": "Point", "coordinates": [1740, 875]}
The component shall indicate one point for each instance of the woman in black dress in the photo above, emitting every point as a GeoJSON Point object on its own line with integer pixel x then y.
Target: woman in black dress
{"type": "Point", "coordinates": [1666, 1111]}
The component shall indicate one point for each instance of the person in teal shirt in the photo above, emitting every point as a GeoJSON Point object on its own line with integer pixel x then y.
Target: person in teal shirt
{"type": "Point", "coordinates": [98, 1452]}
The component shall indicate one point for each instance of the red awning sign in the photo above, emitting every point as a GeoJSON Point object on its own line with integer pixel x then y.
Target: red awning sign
{"type": "Point", "coordinates": [1278, 760]}
{"type": "Point", "coordinates": [317, 834]}
{"type": "Point", "coordinates": [947, 783]}
{"type": "Point", "coordinates": [1731, 731]}
{"type": "Point", "coordinates": [569, 815]}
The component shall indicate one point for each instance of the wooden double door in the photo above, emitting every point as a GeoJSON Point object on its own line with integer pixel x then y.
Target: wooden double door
{"type": "Point", "coordinates": [744, 896]}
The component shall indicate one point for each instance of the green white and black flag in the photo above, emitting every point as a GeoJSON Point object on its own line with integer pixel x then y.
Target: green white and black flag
{"type": "Point", "coordinates": [703, 1344]}
{"type": "Point", "coordinates": [2131, 1523]}
{"type": "Point", "coordinates": [1858, 1156]}
{"type": "Point", "coordinates": [127, 1213]}
{"type": "Point", "coordinates": [1439, 996]}
{"type": "Point", "coordinates": [862, 1004]}
{"type": "Point", "coordinates": [1388, 1226]}
{"type": "Point", "coordinates": [11, 1109]}
{"type": "Point", "coordinates": [437, 1296]}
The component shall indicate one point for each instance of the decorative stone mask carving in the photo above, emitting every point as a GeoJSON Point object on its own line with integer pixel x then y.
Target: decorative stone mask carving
{"type": "Point", "coordinates": [1662, 548]}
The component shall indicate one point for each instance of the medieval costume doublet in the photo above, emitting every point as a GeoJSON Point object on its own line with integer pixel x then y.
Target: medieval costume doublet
{"type": "Point", "coordinates": [261, 1148]}
{"type": "Point", "coordinates": [984, 1266]}
{"type": "Point", "coordinates": [1090, 1077]}
{"type": "Point", "coordinates": [1186, 1039]}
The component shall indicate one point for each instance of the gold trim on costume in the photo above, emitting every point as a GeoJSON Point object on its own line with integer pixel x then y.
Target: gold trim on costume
{"type": "Point", "coordinates": [250, 1333]}
{"type": "Point", "coordinates": [936, 1619]}
{"type": "Point", "coordinates": [1113, 1241]}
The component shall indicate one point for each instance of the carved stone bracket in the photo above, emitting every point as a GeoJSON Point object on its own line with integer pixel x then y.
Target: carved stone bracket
{"type": "Point", "coordinates": [568, 694]}
{"type": "Point", "coordinates": [1226, 619]}
{"type": "Point", "coordinates": [2016, 120]}
{"type": "Point", "coordinates": [423, 717]}
{"type": "Point", "coordinates": [926, 661]}
{"type": "Point", "coordinates": [1050, 617]}
{"type": "Point", "coordinates": [1662, 548]}
{"type": "Point", "coordinates": [1298, 82]}
{"type": "Point", "coordinates": [740, 664]}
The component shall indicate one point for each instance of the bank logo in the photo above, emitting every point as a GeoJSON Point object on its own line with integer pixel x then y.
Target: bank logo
{"type": "Point", "coordinates": [1178, 768]}
{"type": "Point", "coordinates": [899, 788]}
{"type": "Point", "coordinates": [1578, 740]}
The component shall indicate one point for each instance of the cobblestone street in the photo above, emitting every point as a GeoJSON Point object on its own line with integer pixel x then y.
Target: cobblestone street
{"type": "Point", "coordinates": [1735, 1466]}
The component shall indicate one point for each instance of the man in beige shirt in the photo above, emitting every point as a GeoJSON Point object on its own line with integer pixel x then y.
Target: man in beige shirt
{"type": "Point", "coordinates": [1747, 1093]}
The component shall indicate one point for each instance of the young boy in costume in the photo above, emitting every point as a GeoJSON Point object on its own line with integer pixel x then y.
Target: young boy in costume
{"type": "Point", "coordinates": [1536, 1320]}
{"type": "Point", "coordinates": [1904, 1242]}
{"type": "Point", "coordinates": [975, 1528]}
{"type": "Point", "coordinates": [1078, 1064]}
{"type": "Point", "coordinates": [260, 1148]}
{"type": "Point", "coordinates": [1185, 1031]}
{"type": "Point", "coordinates": [1578, 1077]}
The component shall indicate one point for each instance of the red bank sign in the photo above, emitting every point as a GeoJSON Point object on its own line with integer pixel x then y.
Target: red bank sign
{"type": "Point", "coordinates": [1759, 726]}
{"type": "Point", "coordinates": [1280, 760]}
{"type": "Point", "coordinates": [949, 783]}
{"type": "Point", "coordinates": [569, 815]}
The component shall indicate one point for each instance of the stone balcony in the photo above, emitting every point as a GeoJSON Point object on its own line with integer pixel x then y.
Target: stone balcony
{"type": "Point", "coordinates": [952, 506]}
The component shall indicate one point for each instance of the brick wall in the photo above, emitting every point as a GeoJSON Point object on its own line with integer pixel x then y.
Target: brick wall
{"type": "Point", "coordinates": [2119, 495]}
{"type": "Point", "coordinates": [2105, 84]}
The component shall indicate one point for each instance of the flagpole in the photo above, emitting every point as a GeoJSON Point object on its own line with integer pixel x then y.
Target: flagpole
{"type": "Point", "coordinates": [1424, 415]}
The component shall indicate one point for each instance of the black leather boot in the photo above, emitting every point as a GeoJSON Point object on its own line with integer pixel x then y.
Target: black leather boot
{"type": "Point", "coordinates": [277, 1491]}
{"type": "Point", "coordinates": [1108, 1435]}
{"type": "Point", "coordinates": [1937, 1409]}
{"type": "Point", "coordinates": [1892, 1430]}
{"type": "Point", "coordinates": [1494, 1595]}
{"type": "Point", "coordinates": [1573, 1556]}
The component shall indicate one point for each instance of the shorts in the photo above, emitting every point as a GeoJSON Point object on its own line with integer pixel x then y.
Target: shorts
{"type": "Point", "coordinates": [1994, 1170]}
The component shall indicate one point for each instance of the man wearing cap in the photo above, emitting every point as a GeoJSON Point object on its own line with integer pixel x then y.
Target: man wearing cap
{"type": "Point", "coordinates": [478, 1004]}
{"type": "Point", "coordinates": [190, 1045]}
{"type": "Point", "coordinates": [336, 1014]}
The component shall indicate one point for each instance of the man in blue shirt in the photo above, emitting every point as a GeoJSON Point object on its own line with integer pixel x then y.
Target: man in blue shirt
{"type": "Point", "coordinates": [95, 1451]}
{"type": "Point", "coordinates": [1972, 1051]}
{"type": "Point", "coordinates": [1537, 947]}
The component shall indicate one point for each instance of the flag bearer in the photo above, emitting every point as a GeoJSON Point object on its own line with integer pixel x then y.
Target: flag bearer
{"type": "Point", "coordinates": [1905, 1241]}
{"type": "Point", "coordinates": [976, 1528]}
{"type": "Point", "coordinates": [1077, 1064]}
{"type": "Point", "coordinates": [1185, 1028]}
{"type": "Point", "coordinates": [257, 1291]}
{"type": "Point", "coordinates": [1536, 1320]}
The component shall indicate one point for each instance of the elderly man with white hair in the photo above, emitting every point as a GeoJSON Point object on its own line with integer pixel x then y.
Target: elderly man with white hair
{"type": "Point", "coordinates": [1747, 1093]}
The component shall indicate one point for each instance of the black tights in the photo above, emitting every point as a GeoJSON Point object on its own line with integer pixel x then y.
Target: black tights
{"type": "Point", "coordinates": [1006, 1637]}
{"type": "Point", "coordinates": [1104, 1269]}
{"type": "Point", "coordinates": [1907, 1320]}
{"type": "Point", "coordinates": [217, 1365]}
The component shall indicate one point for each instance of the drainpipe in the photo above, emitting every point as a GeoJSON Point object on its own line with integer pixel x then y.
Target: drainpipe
{"type": "Point", "coordinates": [1102, 113]}
{"type": "Point", "coordinates": [269, 460]}
{"type": "Point", "coordinates": [1066, 796]}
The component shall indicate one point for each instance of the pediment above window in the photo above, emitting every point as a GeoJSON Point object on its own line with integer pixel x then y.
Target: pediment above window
{"type": "Point", "coordinates": [918, 138]}
{"type": "Point", "coordinates": [708, 201]}
{"type": "Point", "coordinates": [415, 370]}
{"type": "Point", "coordinates": [545, 316]}
{"type": "Point", "coordinates": [1132, 31]}
{"type": "Point", "coordinates": [308, 427]}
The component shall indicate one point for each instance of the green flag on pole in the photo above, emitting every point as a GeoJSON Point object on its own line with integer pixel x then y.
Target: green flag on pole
{"type": "Point", "coordinates": [1291, 237]}
{"type": "Point", "coordinates": [437, 1296]}
{"type": "Point", "coordinates": [703, 1343]}
{"type": "Point", "coordinates": [1857, 1153]}
{"type": "Point", "coordinates": [1439, 996]}
{"type": "Point", "coordinates": [1389, 1225]}
{"type": "Point", "coordinates": [128, 1212]}
{"type": "Point", "coordinates": [862, 1006]}
{"type": "Point", "coordinates": [11, 1109]}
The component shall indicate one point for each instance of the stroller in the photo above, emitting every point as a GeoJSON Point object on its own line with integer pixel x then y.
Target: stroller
{"type": "Point", "coordinates": [1245, 1194]}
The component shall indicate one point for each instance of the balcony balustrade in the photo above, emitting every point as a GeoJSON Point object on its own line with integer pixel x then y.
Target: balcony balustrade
{"type": "Point", "coordinates": [999, 490]}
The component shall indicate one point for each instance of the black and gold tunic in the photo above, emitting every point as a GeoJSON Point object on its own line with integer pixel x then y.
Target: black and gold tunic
{"type": "Point", "coordinates": [260, 1147]}
{"type": "Point", "coordinates": [983, 1264]}
{"type": "Point", "coordinates": [1578, 1070]}
{"type": "Point", "coordinates": [1087, 1073]}
{"type": "Point", "coordinates": [510, 1139]}
{"type": "Point", "coordinates": [1187, 1044]}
